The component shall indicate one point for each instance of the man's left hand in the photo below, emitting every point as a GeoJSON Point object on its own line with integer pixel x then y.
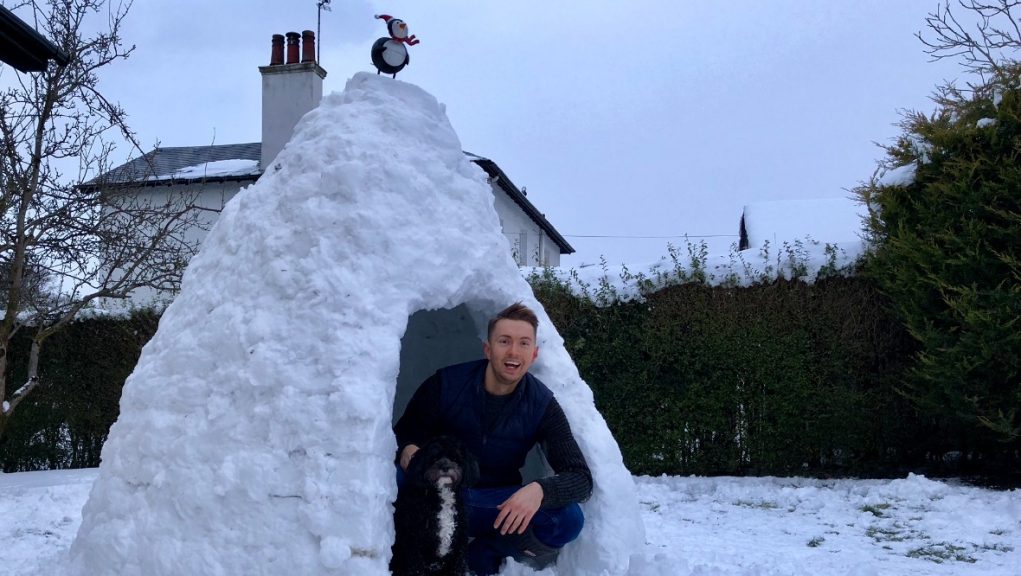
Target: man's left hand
{"type": "Point", "coordinates": [517, 511]}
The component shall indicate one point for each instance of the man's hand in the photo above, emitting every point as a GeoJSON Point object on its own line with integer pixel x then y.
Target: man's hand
{"type": "Point", "coordinates": [517, 511]}
{"type": "Point", "coordinates": [406, 455]}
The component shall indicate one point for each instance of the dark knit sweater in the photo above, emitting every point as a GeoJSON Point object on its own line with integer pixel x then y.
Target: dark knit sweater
{"type": "Point", "coordinates": [572, 479]}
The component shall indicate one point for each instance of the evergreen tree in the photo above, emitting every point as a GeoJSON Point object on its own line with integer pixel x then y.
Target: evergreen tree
{"type": "Point", "coordinates": [945, 223]}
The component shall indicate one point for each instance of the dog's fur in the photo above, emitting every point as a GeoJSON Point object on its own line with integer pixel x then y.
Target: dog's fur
{"type": "Point", "coordinates": [429, 515]}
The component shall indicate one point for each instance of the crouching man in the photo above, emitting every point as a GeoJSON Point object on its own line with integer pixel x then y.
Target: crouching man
{"type": "Point", "coordinates": [499, 412]}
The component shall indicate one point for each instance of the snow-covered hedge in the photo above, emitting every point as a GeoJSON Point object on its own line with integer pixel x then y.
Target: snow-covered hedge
{"type": "Point", "coordinates": [804, 259]}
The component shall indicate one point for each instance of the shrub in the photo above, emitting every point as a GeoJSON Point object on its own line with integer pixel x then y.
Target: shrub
{"type": "Point", "coordinates": [65, 422]}
{"type": "Point", "coordinates": [946, 252]}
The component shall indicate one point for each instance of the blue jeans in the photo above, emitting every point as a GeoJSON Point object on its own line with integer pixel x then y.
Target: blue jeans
{"type": "Point", "coordinates": [554, 527]}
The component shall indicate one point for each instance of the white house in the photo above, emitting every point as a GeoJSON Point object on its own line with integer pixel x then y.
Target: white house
{"type": "Point", "coordinates": [292, 85]}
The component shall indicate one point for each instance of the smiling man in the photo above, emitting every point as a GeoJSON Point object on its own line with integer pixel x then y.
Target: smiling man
{"type": "Point", "coordinates": [499, 412]}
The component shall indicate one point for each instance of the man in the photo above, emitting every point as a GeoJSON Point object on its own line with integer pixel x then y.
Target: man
{"type": "Point", "coordinates": [499, 412]}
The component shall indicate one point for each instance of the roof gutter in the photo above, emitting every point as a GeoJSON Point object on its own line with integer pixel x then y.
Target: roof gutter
{"type": "Point", "coordinates": [24, 48]}
{"type": "Point", "coordinates": [501, 179]}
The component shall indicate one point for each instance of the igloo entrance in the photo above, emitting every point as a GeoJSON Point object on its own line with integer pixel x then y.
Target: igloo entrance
{"type": "Point", "coordinates": [432, 340]}
{"type": "Point", "coordinates": [438, 338]}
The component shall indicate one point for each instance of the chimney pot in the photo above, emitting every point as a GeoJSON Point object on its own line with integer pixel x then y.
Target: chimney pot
{"type": "Point", "coordinates": [308, 46]}
{"type": "Point", "coordinates": [276, 57]}
{"type": "Point", "coordinates": [292, 47]}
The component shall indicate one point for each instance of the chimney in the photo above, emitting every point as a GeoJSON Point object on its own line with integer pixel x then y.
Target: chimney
{"type": "Point", "coordinates": [308, 46]}
{"type": "Point", "coordinates": [292, 47]}
{"type": "Point", "coordinates": [276, 57]}
{"type": "Point", "coordinates": [289, 90]}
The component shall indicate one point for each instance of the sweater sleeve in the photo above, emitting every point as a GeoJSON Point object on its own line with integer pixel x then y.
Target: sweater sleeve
{"type": "Point", "coordinates": [572, 479]}
{"type": "Point", "coordinates": [418, 423]}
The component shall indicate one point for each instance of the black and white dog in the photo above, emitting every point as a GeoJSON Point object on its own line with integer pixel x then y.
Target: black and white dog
{"type": "Point", "coordinates": [429, 515]}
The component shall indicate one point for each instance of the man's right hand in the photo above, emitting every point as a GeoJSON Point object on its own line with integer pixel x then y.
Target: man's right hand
{"type": "Point", "coordinates": [406, 455]}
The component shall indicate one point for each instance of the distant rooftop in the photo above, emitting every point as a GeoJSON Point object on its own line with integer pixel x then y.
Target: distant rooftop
{"type": "Point", "coordinates": [182, 165]}
{"type": "Point", "coordinates": [240, 163]}
{"type": "Point", "coordinates": [826, 220]}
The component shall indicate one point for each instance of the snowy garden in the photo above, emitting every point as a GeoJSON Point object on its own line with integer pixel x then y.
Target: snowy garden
{"type": "Point", "coordinates": [255, 433]}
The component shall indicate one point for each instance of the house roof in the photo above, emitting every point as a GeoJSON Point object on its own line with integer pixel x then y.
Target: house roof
{"type": "Point", "coordinates": [23, 47]}
{"type": "Point", "coordinates": [193, 164]}
{"type": "Point", "coordinates": [519, 198]}
{"type": "Point", "coordinates": [170, 165]}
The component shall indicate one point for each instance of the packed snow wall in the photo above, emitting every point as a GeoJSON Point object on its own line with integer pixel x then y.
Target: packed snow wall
{"type": "Point", "coordinates": [255, 433]}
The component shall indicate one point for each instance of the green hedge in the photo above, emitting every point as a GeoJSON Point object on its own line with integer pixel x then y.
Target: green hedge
{"type": "Point", "coordinates": [65, 421]}
{"type": "Point", "coordinates": [777, 378]}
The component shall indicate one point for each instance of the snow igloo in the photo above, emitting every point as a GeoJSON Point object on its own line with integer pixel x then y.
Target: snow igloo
{"type": "Point", "coordinates": [255, 435]}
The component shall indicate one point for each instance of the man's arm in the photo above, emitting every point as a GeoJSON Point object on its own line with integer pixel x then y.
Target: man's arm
{"type": "Point", "coordinates": [572, 479]}
{"type": "Point", "coordinates": [418, 423]}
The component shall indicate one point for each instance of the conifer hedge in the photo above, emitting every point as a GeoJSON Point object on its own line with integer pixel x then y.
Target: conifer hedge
{"type": "Point", "coordinates": [947, 252]}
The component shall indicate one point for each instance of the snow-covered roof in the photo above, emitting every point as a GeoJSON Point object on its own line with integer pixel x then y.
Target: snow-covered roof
{"type": "Point", "coordinates": [218, 168]}
{"type": "Point", "coordinates": [240, 162]}
{"type": "Point", "coordinates": [188, 164]}
{"type": "Point", "coordinates": [826, 220]}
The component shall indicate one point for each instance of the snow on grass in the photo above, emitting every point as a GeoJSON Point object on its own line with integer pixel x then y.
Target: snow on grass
{"type": "Point", "coordinates": [695, 526]}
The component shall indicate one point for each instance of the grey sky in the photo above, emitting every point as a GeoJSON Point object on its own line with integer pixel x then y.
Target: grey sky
{"type": "Point", "coordinates": [643, 118]}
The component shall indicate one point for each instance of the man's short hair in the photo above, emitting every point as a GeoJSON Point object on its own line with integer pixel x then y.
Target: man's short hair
{"type": "Point", "coordinates": [516, 311]}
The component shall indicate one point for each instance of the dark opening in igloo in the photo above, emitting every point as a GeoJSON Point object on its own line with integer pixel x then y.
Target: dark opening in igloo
{"type": "Point", "coordinates": [438, 338]}
{"type": "Point", "coordinates": [432, 340]}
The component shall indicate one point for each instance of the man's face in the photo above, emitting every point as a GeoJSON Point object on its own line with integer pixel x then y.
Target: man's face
{"type": "Point", "coordinates": [511, 350]}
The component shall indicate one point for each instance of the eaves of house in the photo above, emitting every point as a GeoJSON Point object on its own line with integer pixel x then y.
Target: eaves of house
{"type": "Point", "coordinates": [500, 178]}
{"type": "Point", "coordinates": [23, 47]}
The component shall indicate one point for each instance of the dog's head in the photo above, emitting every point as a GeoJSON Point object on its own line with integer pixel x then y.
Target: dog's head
{"type": "Point", "coordinates": [442, 461]}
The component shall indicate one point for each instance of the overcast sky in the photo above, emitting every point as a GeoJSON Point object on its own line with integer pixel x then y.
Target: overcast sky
{"type": "Point", "coordinates": [641, 118]}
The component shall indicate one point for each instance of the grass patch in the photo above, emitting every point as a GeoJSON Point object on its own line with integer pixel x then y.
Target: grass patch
{"type": "Point", "coordinates": [880, 534]}
{"type": "Point", "coordinates": [877, 509]}
{"type": "Point", "coordinates": [816, 542]}
{"type": "Point", "coordinates": [764, 505]}
{"type": "Point", "coordinates": [942, 552]}
{"type": "Point", "coordinates": [995, 547]}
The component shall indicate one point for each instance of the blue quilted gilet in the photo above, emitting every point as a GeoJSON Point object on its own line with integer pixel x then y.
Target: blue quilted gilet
{"type": "Point", "coordinates": [500, 451]}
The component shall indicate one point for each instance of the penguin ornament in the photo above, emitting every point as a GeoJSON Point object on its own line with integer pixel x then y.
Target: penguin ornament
{"type": "Point", "coordinates": [389, 55]}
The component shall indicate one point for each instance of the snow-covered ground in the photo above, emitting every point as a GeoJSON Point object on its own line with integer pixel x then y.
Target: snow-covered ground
{"type": "Point", "coordinates": [694, 526]}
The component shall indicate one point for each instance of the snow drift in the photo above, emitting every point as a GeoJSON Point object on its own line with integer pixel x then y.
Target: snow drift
{"type": "Point", "coordinates": [254, 435]}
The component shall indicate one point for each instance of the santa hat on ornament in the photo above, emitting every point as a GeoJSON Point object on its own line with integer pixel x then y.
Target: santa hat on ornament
{"type": "Point", "coordinates": [398, 29]}
{"type": "Point", "coordinates": [392, 25]}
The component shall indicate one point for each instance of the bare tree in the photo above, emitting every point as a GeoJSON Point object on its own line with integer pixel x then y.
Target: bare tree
{"type": "Point", "coordinates": [984, 36]}
{"type": "Point", "coordinates": [68, 236]}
